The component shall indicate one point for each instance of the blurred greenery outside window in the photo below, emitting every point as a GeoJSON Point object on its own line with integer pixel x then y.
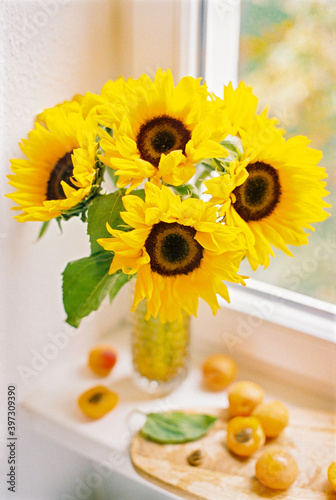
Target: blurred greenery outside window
{"type": "Point", "coordinates": [287, 54]}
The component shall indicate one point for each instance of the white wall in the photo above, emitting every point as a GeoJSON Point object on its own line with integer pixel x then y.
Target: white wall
{"type": "Point", "coordinates": [50, 50]}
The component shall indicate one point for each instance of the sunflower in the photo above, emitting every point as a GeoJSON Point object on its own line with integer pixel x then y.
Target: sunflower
{"type": "Point", "coordinates": [73, 106]}
{"type": "Point", "coordinates": [160, 131]}
{"type": "Point", "coordinates": [82, 104]}
{"type": "Point", "coordinates": [177, 249]}
{"type": "Point", "coordinates": [275, 191]}
{"type": "Point", "coordinates": [108, 107]}
{"type": "Point", "coordinates": [60, 169]}
{"type": "Point", "coordinates": [241, 107]}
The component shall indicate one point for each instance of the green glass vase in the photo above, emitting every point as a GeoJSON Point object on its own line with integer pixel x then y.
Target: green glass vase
{"type": "Point", "coordinates": [159, 351]}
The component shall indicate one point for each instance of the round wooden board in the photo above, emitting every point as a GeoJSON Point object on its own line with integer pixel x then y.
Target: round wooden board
{"type": "Point", "coordinates": [310, 438]}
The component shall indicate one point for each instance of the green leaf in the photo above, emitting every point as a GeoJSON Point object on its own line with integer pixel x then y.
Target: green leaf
{"type": "Point", "coordinates": [201, 178]}
{"type": "Point", "coordinates": [107, 208]}
{"type": "Point", "coordinates": [86, 283]}
{"type": "Point", "coordinates": [59, 222]}
{"type": "Point", "coordinates": [121, 279]}
{"type": "Point", "coordinates": [221, 165]}
{"type": "Point", "coordinates": [114, 178]}
{"type": "Point", "coordinates": [104, 209]}
{"type": "Point", "coordinates": [43, 229]}
{"type": "Point", "coordinates": [217, 164]}
{"type": "Point", "coordinates": [186, 190]}
{"type": "Point", "coordinates": [207, 164]}
{"type": "Point", "coordinates": [230, 147]}
{"type": "Point", "coordinates": [176, 427]}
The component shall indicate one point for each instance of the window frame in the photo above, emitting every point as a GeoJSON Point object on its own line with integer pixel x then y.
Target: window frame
{"type": "Point", "coordinates": [284, 307]}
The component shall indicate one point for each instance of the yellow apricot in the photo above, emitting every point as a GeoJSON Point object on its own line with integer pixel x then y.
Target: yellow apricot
{"type": "Point", "coordinates": [276, 469]}
{"type": "Point", "coordinates": [102, 359]}
{"type": "Point", "coordinates": [97, 401]}
{"type": "Point", "coordinates": [219, 370]}
{"type": "Point", "coordinates": [273, 416]}
{"type": "Point", "coordinates": [244, 436]}
{"type": "Point", "coordinates": [332, 475]}
{"type": "Point", "coordinates": [243, 397]}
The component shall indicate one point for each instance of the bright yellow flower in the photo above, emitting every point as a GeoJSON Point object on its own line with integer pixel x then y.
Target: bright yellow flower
{"type": "Point", "coordinates": [59, 170]}
{"type": "Point", "coordinates": [274, 192]}
{"type": "Point", "coordinates": [241, 107]}
{"type": "Point", "coordinates": [177, 249]}
{"type": "Point", "coordinates": [82, 104]}
{"type": "Point", "coordinates": [67, 106]}
{"type": "Point", "coordinates": [160, 131]}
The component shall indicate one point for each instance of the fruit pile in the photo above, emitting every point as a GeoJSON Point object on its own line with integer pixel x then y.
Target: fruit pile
{"type": "Point", "coordinates": [252, 421]}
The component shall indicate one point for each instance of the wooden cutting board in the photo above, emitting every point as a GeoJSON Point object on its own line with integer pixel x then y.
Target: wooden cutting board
{"type": "Point", "coordinates": [310, 438]}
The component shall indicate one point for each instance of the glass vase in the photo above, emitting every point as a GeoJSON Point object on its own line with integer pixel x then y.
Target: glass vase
{"type": "Point", "coordinates": [159, 352]}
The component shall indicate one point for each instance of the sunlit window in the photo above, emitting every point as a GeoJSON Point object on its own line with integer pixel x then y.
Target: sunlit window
{"type": "Point", "coordinates": [287, 54]}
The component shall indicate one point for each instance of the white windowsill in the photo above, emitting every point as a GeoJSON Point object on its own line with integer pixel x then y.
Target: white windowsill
{"type": "Point", "coordinates": [293, 366]}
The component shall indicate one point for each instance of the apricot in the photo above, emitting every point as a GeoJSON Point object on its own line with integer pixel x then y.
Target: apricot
{"type": "Point", "coordinates": [243, 397]}
{"type": "Point", "coordinates": [97, 401]}
{"type": "Point", "coordinates": [244, 436]}
{"type": "Point", "coordinates": [219, 371]}
{"type": "Point", "coordinates": [102, 359]}
{"type": "Point", "coordinates": [273, 416]}
{"type": "Point", "coordinates": [276, 469]}
{"type": "Point", "coordinates": [332, 475]}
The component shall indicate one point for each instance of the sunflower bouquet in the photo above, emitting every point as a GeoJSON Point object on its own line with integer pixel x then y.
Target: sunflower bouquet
{"type": "Point", "coordinates": [198, 183]}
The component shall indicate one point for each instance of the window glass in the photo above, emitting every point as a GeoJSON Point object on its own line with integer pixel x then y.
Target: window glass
{"type": "Point", "coordinates": [287, 54]}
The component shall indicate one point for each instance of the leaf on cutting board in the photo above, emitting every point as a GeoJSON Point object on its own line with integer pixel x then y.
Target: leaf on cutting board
{"type": "Point", "coordinates": [176, 427]}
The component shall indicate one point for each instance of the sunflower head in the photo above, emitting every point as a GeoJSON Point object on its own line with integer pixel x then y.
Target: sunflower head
{"type": "Point", "coordinates": [275, 191]}
{"type": "Point", "coordinates": [160, 132]}
{"type": "Point", "coordinates": [59, 173]}
{"type": "Point", "coordinates": [177, 249]}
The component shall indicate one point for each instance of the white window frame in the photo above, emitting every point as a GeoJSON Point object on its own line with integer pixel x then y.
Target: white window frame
{"type": "Point", "coordinates": [287, 308]}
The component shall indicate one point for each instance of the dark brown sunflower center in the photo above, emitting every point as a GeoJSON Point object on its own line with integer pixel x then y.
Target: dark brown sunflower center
{"type": "Point", "coordinates": [63, 171]}
{"type": "Point", "coordinates": [161, 135]}
{"type": "Point", "coordinates": [173, 249]}
{"type": "Point", "coordinates": [260, 193]}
